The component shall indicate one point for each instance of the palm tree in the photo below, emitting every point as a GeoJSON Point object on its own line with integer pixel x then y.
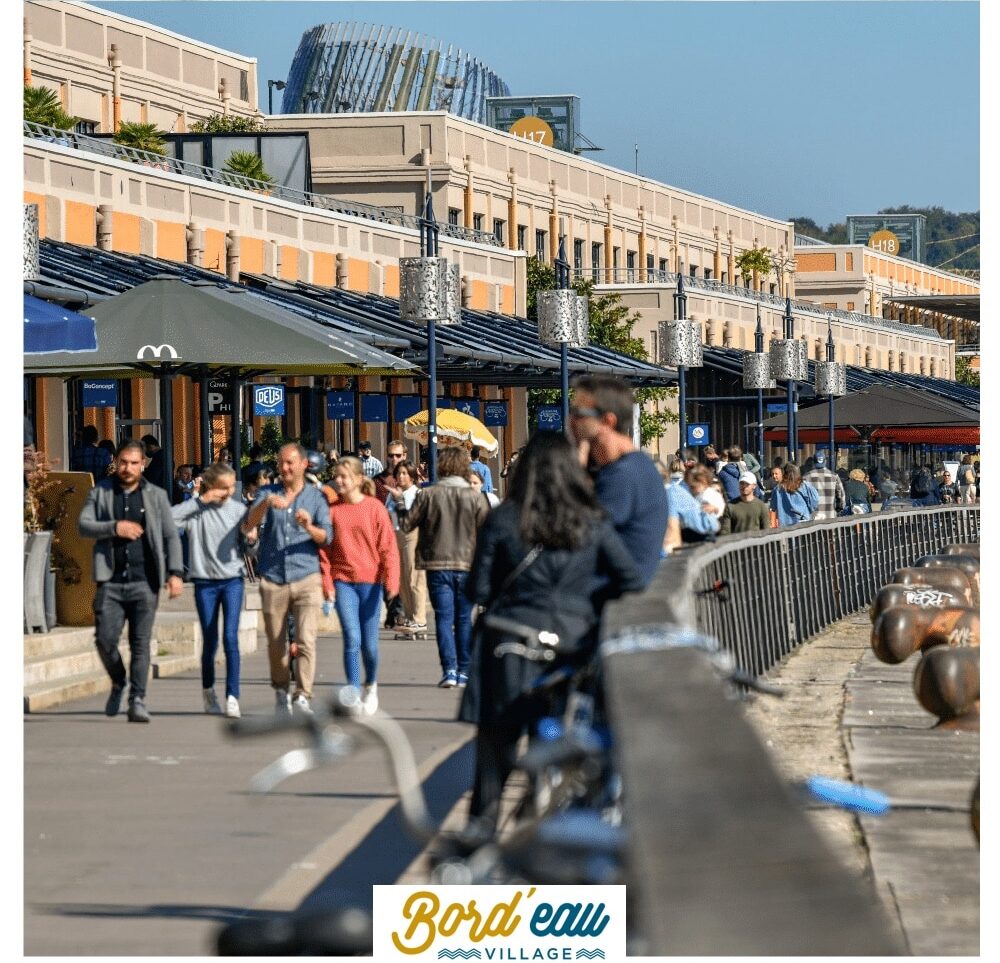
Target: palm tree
{"type": "Point", "coordinates": [245, 165]}
{"type": "Point", "coordinates": [41, 106]}
{"type": "Point", "coordinates": [145, 137]}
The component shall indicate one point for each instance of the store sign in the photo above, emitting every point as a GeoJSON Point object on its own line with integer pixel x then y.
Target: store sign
{"type": "Point", "coordinates": [268, 401]}
{"type": "Point", "coordinates": [100, 394]}
{"type": "Point", "coordinates": [550, 418]}
{"type": "Point", "coordinates": [375, 408]}
{"type": "Point", "coordinates": [698, 435]}
{"type": "Point", "coordinates": [340, 405]}
{"type": "Point", "coordinates": [468, 406]}
{"type": "Point", "coordinates": [495, 414]}
{"type": "Point", "coordinates": [405, 406]}
{"type": "Point", "coordinates": [218, 398]}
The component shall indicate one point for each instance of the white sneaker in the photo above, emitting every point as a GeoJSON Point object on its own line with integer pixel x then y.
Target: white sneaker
{"type": "Point", "coordinates": [350, 699]}
{"type": "Point", "coordinates": [282, 702]}
{"type": "Point", "coordinates": [369, 701]}
{"type": "Point", "coordinates": [301, 704]}
{"type": "Point", "coordinates": [232, 707]}
{"type": "Point", "coordinates": [211, 703]}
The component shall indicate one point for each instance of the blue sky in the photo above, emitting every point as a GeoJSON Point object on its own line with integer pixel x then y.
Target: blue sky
{"type": "Point", "coordinates": [818, 109]}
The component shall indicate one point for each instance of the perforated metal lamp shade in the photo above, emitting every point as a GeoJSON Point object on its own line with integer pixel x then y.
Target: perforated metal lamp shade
{"type": "Point", "coordinates": [559, 318]}
{"type": "Point", "coordinates": [429, 289]}
{"type": "Point", "coordinates": [582, 321]}
{"type": "Point", "coordinates": [789, 360]}
{"type": "Point", "coordinates": [680, 343]}
{"type": "Point", "coordinates": [831, 378]}
{"type": "Point", "coordinates": [757, 371]}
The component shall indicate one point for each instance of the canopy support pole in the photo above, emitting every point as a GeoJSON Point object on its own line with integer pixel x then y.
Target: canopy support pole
{"type": "Point", "coordinates": [167, 421]}
{"type": "Point", "coordinates": [236, 402]}
{"type": "Point", "coordinates": [204, 423]}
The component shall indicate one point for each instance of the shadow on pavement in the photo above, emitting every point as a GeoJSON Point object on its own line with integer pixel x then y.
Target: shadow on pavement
{"type": "Point", "coordinates": [216, 914]}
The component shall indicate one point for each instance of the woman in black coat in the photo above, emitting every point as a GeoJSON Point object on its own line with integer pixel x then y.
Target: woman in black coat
{"type": "Point", "coordinates": [581, 564]}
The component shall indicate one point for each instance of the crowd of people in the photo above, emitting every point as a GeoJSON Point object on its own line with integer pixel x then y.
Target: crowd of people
{"type": "Point", "coordinates": [587, 517]}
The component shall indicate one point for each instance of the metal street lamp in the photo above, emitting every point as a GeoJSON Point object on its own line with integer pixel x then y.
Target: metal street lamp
{"type": "Point", "coordinates": [789, 363]}
{"type": "Point", "coordinates": [757, 375]}
{"type": "Point", "coordinates": [680, 346]}
{"type": "Point", "coordinates": [563, 321]}
{"type": "Point", "coordinates": [429, 294]}
{"type": "Point", "coordinates": [831, 380]}
{"type": "Point", "coordinates": [280, 84]}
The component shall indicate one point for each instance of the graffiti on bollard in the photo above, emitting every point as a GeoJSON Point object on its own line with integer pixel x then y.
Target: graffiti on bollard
{"type": "Point", "coordinates": [920, 596]}
{"type": "Point", "coordinates": [951, 580]}
{"type": "Point", "coordinates": [902, 630]}
{"type": "Point", "coordinates": [966, 563]}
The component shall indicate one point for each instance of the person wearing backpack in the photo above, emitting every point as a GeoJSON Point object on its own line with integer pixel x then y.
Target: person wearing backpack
{"type": "Point", "coordinates": [923, 490]}
{"type": "Point", "coordinates": [967, 482]}
{"type": "Point", "coordinates": [794, 500]}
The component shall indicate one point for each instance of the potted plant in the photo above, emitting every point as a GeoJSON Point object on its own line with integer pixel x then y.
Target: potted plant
{"type": "Point", "coordinates": [147, 138]}
{"type": "Point", "coordinates": [42, 106]}
{"type": "Point", "coordinates": [244, 165]}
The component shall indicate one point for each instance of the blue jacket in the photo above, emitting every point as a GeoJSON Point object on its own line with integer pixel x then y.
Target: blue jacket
{"type": "Point", "coordinates": [729, 475]}
{"type": "Point", "coordinates": [794, 507]}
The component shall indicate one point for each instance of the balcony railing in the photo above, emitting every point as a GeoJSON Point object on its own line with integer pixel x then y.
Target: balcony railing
{"type": "Point", "coordinates": [108, 148]}
{"type": "Point", "coordinates": [649, 276]}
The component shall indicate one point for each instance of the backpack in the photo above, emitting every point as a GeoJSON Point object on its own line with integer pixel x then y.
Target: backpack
{"type": "Point", "coordinates": [968, 475]}
{"type": "Point", "coordinates": [920, 485]}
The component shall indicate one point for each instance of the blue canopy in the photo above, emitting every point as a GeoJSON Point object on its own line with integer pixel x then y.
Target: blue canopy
{"type": "Point", "coordinates": [50, 327]}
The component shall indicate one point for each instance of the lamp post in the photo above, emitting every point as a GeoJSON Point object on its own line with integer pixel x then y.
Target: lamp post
{"type": "Point", "coordinates": [271, 84]}
{"type": "Point", "coordinates": [680, 346]}
{"type": "Point", "coordinates": [563, 320]}
{"type": "Point", "coordinates": [789, 364]}
{"type": "Point", "coordinates": [831, 380]}
{"type": "Point", "coordinates": [757, 375]}
{"type": "Point", "coordinates": [429, 294]}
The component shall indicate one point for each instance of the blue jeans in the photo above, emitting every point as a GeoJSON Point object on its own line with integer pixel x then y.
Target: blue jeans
{"type": "Point", "coordinates": [358, 608]}
{"type": "Point", "coordinates": [211, 594]}
{"type": "Point", "coordinates": [452, 618]}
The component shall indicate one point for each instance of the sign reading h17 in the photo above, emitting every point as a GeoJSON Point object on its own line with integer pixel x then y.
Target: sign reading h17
{"type": "Point", "coordinates": [268, 400]}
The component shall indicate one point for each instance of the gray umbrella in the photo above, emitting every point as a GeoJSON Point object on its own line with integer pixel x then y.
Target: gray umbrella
{"type": "Point", "coordinates": [169, 326]}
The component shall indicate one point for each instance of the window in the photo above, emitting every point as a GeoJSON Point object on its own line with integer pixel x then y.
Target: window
{"type": "Point", "coordinates": [477, 222]}
{"type": "Point", "coordinates": [498, 226]}
{"type": "Point", "coordinates": [663, 269]}
{"type": "Point", "coordinates": [850, 305]}
{"type": "Point", "coordinates": [578, 257]}
{"type": "Point", "coordinates": [630, 257]}
{"type": "Point", "coordinates": [86, 127]}
{"type": "Point", "coordinates": [522, 237]}
{"type": "Point", "coordinates": [725, 278]}
{"type": "Point", "coordinates": [453, 213]}
{"type": "Point", "coordinates": [650, 266]}
{"type": "Point", "coordinates": [774, 289]}
{"type": "Point", "coordinates": [595, 260]}
{"type": "Point", "coordinates": [693, 270]}
{"type": "Point", "coordinates": [540, 246]}
{"type": "Point", "coordinates": [708, 274]}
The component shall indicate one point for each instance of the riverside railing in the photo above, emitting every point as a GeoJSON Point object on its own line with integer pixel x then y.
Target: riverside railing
{"type": "Point", "coordinates": [764, 593]}
{"type": "Point", "coordinates": [109, 148]}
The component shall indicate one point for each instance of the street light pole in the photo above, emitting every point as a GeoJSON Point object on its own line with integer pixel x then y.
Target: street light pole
{"type": "Point", "coordinates": [429, 248]}
{"type": "Point", "coordinates": [791, 389]}
{"type": "Point", "coordinates": [680, 314]}
{"type": "Point", "coordinates": [562, 284]}
{"type": "Point", "coordinates": [758, 346]}
{"type": "Point", "coordinates": [831, 355]}
{"type": "Point", "coordinates": [280, 84]}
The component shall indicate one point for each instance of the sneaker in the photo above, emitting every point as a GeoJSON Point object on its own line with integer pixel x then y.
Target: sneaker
{"type": "Point", "coordinates": [449, 680]}
{"type": "Point", "coordinates": [301, 704]}
{"type": "Point", "coordinates": [463, 680]}
{"type": "Point", "coordinates": [232, 707]}
{"type": "Point", "coordinates": [417, 626]}
{"type": "Point", "coordinates": [369, 701]}
{"type": "Point", "coordinates": [211, 703]}
{"type": "Point", "coordinates": [137, 711]}
{"type": "Point", "coordinates": [350, 698]}
{"type": "Point", "coordinates": [114, 702]}
{"type": "Point", "coordinates": [282, 702]}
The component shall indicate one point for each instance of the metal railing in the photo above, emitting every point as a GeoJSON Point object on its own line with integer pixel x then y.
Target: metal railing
{"type": "Point", "coordinates": [650, 276]}
{"type": "Point", "coordinates": [764, 593]}
{"type": "Point", "coordinates": [106, 147]}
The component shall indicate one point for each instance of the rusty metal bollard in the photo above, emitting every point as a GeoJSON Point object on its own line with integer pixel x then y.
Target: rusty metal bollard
{"type": "Point", "coordinates": [962, 548]}
{"type": "Point", "coordinates": [946, 683]}
{"type": "Point", "coordinates": [952, 580]}
{"type": "Point", "coordinates": [966, 563]}
{"type": "Point", "coordinates": [904, 629]}
{"type": "Point", "coordinates": [974, 811]}
{"type": "Point", "coordinates": [920, 596]}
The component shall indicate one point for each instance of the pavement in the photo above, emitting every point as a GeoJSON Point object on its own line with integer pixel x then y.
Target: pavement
{"type": "Point", "coordinates": [143, 840]}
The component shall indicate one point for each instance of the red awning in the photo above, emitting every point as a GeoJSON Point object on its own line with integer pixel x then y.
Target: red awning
{"type": "Point", "coordinates": [958, 436]}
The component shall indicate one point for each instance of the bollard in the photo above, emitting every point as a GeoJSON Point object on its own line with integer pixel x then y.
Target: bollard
{"type": "Point", "coordinates": [946, 684]}
{"type": "Point", "coordinates": [962, 548]}
{"type": "Point", "coordinates": [920, 596]}
{"type": "Point", "coordinates": [952, 580]}
{"type": "Point", "coordinates": [966, 563]}
{"type": "Point", "coordinates": [904, 629]}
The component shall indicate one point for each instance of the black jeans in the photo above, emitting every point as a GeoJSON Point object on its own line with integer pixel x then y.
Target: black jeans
{"type": "Point", "coordinates": [496, 753]}
{"type": "Point", "coordinates": [114, 603]}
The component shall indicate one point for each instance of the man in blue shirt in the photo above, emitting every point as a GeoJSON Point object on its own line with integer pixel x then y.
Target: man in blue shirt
{"type": "Point", "coordinates": [295, 521]}
{"type": "Point", "coordinates": [626, 481]}
{"type": "Point", "coordinates": [688, 518]}
{"type": "Point", "coordinates": [88, 457]}
{"type": "Point", "coordinates": [483, 471]}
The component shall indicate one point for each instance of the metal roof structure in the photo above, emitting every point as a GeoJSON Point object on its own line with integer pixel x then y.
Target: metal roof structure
{"type": "Point", "coordinates": [486, 348]}
{"type": "Point", "coordinates": [964, 306]}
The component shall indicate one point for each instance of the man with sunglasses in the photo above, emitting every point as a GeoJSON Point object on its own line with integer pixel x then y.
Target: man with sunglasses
{"type": "Point", "coordinates": [395, 454]}
{"type": "Point", "coordinates": [625, 479]}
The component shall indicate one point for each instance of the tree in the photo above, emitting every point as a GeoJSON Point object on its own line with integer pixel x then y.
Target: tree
{"type": "Point", "coordinates": [42, 106]}
{"type": "Point", "coordinates": [611, 324]}
{"type": "Point", "coordinates": [228, 124]}
{"type": "Point", "coordinates": [245, 165]}
{"type": "Point", "coordinates": [271, 437]}
{"type": "Point", "coordinates": [965, 374]}
{"type": "Point", "coordinates": [755, 260]}
{"type": "Point", "coordinates": [144, 137]}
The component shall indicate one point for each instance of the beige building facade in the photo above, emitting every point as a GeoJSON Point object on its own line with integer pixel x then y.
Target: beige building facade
{"type": "Point", "coordinates": [98, 61]}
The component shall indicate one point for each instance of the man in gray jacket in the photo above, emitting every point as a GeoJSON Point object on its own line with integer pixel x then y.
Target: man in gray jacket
{"type": "Point", "coordinates": [137, 551]}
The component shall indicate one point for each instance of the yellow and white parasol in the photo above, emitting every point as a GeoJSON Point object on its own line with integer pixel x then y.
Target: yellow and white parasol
{"type": "Point", "coordinates": [454, 428]}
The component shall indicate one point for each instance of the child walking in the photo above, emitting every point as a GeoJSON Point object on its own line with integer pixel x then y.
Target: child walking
{"type": "Point", "coordinates": [362, 557]}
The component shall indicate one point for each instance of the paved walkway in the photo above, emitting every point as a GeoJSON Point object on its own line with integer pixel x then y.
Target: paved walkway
{"type": "Point", "coordinates": [141, 840]}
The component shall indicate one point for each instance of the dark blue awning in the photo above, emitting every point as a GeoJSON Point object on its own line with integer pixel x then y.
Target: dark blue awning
{"type": "Point", "coordinates": [50, 327]}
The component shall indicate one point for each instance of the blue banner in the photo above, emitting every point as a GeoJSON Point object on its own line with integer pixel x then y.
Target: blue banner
{"type": "Point", "coordinates": [550, 418]}
{"type": "Point", "coordinates": [405, 406]}
{"type": "Point", "coordinates": [777, 407]}
{"type": "Point", "coordinates": [468, 406]}
{"type": "Point", "coordinates": [698, 435]}
{"type": "Point", "coordinates": [340, 405]}
{"type": "Point", "coordinates": [375, 408]}
{"type": "Point", "coordinates": [100, 394]}
{"type": "Point", "coordinates": [268, 401]}
{"type": "Point", "coordinates": [445, 402]}
{"type": "Point", "coordinates": [496, 414]}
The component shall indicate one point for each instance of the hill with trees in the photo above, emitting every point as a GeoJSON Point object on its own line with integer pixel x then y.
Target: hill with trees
{"type": "Point", "coordinates": [952, 240]}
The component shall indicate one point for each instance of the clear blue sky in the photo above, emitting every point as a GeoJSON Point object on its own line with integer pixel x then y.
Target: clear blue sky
{"type": "Point", "coordinates": [818, 109]}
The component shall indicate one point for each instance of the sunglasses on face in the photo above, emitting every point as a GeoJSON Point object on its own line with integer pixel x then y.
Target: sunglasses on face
{"type": "Point", "coordinates": [585, 412]}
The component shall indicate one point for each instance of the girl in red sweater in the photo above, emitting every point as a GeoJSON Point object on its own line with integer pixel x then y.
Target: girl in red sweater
{"type": "Point", "coordinates": [361, 559]}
